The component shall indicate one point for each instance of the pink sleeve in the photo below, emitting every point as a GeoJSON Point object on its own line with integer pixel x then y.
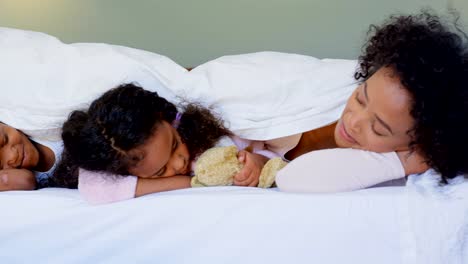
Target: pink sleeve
{"type": "Point", "coordinates": [101, 187]}
{"type": "Point", "coordinates": [337, 170]}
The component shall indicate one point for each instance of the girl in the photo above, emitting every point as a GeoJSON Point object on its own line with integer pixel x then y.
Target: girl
{"type": "Point", "coordinates": [131, 131]}
{"type": "Point", "coordinates": [24, 161]}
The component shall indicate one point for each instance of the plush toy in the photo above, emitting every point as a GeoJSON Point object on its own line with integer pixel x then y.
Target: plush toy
{"type": "Point", "coordinates": [217, 167]}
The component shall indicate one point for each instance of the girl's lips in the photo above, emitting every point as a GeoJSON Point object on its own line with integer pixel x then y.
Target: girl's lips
{"type": "Point", "coordinates": [345, 134]}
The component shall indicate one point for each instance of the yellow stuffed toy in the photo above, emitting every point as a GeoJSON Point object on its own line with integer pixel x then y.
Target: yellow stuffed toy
{"type": "Point", "coordinates": [217, 167]}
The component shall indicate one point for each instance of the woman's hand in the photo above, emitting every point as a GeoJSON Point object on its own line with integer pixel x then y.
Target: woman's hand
{"type": "Point", "coordinates": [412, 162]}
{"type": "Point", "coordinates": [253, 165]}
{"type": "Point", "coordinates": [17, 179]}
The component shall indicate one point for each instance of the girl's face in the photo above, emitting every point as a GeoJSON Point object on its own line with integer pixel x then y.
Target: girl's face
{"type": "Point", "coordinates": [163, 155]}
{"type": "Point", "coordinates": [16, 150]}
{"type": "Point", "coordinates": [377, 115]}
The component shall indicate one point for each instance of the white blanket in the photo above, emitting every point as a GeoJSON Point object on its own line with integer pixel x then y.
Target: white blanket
{"type": "Point", "coordinates": [416, 224]}
{"type": "Point", "coordinates": [268, 95]}
{"type": "Point", "coordinates": [261, 95]}
{"type": "Point", "coordinates": [435, 224]}
{"type": "Point", "coordinates": [43, 79]}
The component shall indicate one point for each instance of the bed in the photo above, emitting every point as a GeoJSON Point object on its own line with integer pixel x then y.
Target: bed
{"type": "Point", "coordinates": [421, 222]}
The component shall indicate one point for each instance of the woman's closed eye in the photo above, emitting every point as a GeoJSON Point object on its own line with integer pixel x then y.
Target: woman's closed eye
{"type": "Point", "coordinates": [376, 132]}
{"type": "Point", "coordinates": [359, 101]}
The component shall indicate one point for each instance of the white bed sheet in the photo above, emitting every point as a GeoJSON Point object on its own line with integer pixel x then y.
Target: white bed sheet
{"type": "Point", "coordinates": [206, 225]}
{"type": "Point", "coordinates": [421, 222]}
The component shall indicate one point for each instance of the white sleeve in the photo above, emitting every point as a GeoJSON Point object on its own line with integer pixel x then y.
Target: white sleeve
{"type": "Point", "coordinates": [337, 170]}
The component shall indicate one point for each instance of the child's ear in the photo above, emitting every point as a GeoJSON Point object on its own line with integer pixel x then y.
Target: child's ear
{"type": "Point", "coordinates": [134, 156]}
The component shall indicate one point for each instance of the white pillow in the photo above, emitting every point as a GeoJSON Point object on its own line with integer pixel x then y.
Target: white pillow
{"type": "Point", "coordinates": [267, 95]}
{"type": "Point", "coordinates": [44, 79]}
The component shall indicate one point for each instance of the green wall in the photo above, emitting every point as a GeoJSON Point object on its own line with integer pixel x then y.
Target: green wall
{"type": "Point", "coordinates": [194, 31]}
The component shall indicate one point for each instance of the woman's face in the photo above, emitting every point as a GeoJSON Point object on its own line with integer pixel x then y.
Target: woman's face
{"type": "Point", "coordinates": [162, 155]}
{"type": "Point", "coordinates": [16, 150]}
{"type": "Point", "coordinates": [377, 115]}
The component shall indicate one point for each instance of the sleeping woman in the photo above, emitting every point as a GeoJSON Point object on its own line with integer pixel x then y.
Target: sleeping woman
{"type": "Point", "coordinates": [412, 100]}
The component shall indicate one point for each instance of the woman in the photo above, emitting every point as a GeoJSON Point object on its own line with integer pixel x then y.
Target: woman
{"type": "Point", "coordinates": [412, 100]}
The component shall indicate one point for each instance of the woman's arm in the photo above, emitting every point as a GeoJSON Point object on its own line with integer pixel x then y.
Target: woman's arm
{"type": "Point", "coordinates": [17, 179]}
{"type": "Point", "coordinates": [337, 170]}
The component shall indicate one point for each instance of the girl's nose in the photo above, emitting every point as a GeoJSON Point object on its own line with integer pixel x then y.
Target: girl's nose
{"type": "Point", "coordinates": [178, 164]}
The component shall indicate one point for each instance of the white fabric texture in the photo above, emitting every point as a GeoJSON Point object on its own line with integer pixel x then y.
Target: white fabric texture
{"type": "Point", "coordinates": [416, 224]}
{"type": "Point", "coordinates": [435, 224]}
{"type": "Point", "coordinates": [44, 79]}
{"type": "Point", "coordinates": [268, 95]}
{"type": "Point", "coordinates": [261, 96]}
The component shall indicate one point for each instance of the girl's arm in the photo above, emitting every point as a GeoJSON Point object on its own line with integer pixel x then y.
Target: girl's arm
{"type": "Point", "coordinates": [147, 186]}
{"type": "Point", "coordinates": [17, 179]}
{"type": "Point", "coordinates": [101, 187]}
{"type": "Point", "coordinates": [337, 170]}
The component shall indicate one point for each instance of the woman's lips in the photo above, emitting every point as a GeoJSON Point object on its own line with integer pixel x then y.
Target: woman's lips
{"type": "Point", "coordinates": [345, 135]}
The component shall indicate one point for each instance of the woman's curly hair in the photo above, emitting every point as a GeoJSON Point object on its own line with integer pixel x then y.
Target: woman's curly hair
{"type": "Point", "coordinates": [431, 60]}
{"type": "Point", "coordinates": [122, 119]}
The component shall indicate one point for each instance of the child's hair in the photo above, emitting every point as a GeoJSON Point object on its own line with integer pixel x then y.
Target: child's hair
{"type": "Point", "coordinates": [431, 59]}
{"type": "Point", "coordinates": [122, 119]}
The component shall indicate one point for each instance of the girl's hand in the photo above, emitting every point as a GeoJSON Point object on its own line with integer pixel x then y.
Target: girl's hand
{"type": "Point", "coordinates": [412, 162]}
{"type": "Point", "coordinates": [253, 165]}
{"type": "Point", "coordinates": [17, 179]}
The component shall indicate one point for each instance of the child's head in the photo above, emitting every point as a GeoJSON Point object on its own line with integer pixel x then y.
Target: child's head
{"type": "Point", "coordinates": [129, 130]}
{"type": "Point", "coordinates": [17, 151]}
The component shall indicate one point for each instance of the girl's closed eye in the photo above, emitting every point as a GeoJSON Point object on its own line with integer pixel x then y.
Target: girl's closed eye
{"type": "Point", "coordinates": [161, 172]}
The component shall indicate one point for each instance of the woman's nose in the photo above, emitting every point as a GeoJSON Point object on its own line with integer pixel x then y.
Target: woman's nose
{"type": "Point", "coordinates": [355, 122]}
